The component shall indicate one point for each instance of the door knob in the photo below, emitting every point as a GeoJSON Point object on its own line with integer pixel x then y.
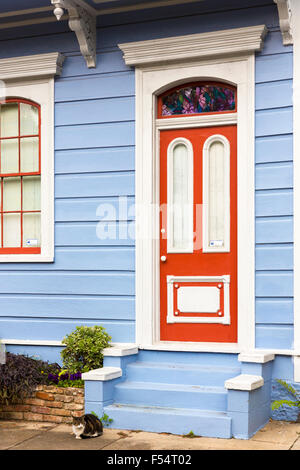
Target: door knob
{"type": "Point", "coordinates": [163, 258]}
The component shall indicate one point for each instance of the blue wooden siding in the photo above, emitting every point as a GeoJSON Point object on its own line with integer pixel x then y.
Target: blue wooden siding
{"type": "Point", "coordinates": [274, 194]}
{"type": "Point", "coordinates": [92, 280]}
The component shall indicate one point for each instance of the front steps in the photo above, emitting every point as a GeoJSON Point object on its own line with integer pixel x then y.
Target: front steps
{"type": "Point", "coordinates": [161, 394]}
{"type": "Point", "coordinates": [171, 420]}
{"type": "Point", "coordinates": [209, 394]}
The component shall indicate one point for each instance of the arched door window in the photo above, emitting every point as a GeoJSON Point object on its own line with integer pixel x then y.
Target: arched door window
{"type": "Point", "coordinates": [197, 98]}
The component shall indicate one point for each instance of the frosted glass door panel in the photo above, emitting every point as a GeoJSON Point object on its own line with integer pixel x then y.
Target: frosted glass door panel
{"type": "Point", "coordinates": [31, 193]}
{"type": "Point", "coordinates": [216, 188]}
{"type": "Point", "coordinates": [180, 198]}
{"type": "Point", "coordinates": [12, 230]}
{"type": "Point", "coordinates": [9, 120]}
{"type": "Point", "coordinates": [12, 194]}
{"type": "Point", "coordinates": [9, 156]}
{"type": "Point", "coordinates": [216, 193]}
{"type": "Point", "coordinates": [29, 117]}
{"type": "Point", "coordinates": [29, 154]}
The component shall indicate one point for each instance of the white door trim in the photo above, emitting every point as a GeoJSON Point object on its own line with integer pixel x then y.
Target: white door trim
{"type": "Point", "coordinates": [151, 80]}
{"type": "Point", "coordinates": [294, 5]}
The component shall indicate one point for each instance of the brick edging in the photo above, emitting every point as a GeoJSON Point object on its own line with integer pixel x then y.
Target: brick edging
{"type": "Point", "coordinates": [48, 404]}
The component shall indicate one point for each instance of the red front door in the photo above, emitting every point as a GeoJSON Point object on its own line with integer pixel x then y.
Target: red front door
{"type": "Point", "coordinates": [198, 245]}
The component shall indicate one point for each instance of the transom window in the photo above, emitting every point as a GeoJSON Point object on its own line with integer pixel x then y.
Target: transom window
{"type": "Point", "coordinates": [197, 98]}
{"type": "Point", "coordinates": [20, 176]}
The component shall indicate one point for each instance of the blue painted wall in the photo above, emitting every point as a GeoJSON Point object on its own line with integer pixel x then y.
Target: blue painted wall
{"type": "Point", "coordinates": [92, 280]}
{"type": "Point", "coordinates": [274, 195]}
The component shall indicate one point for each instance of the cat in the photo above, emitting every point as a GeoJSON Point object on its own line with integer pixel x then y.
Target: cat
{"type": "Point", "coordinates": [87, 425]}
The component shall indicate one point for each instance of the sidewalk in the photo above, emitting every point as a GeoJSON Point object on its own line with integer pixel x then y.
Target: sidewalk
{"type": "Point", "coordinates": [20, 435]}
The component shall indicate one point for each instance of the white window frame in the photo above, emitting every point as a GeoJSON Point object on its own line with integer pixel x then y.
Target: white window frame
{"type": "Point", "coordinates": [226, 56]}
{"type": "Point", "coordinates": [32, 78]}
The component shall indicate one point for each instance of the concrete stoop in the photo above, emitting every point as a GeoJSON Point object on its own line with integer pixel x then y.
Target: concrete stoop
{"type": "Point", "coordinates": [205, 394]}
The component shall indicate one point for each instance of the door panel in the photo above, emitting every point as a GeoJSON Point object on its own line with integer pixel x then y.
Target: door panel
{"type": "Point", "coordinates": [198, 280]}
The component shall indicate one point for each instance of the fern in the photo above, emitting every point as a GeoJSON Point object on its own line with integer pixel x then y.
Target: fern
{"type": "Point", "coordinates": [278, 403]}
{"type": "Point", "coordinates": [289, 388]}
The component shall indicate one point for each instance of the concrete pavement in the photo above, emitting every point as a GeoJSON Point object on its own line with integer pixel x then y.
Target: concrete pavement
{"type": "Point", "coordinates": [20, 435]}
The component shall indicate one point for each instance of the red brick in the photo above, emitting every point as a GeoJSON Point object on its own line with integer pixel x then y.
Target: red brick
{"type": "Point", "coordinates": [55, 404]}
{"type": "Point", "coordinates": [73, 406]}
{"type": "Point", "coordinates": [34, 401]}
{"type": "Point", "coordinates": [44, 396]}
{"type": "Point", "coordinates": [60, 412]}
{"type": "Point", "coordinates": [79, 400]}
{"type": "Point", "coordinates": [52, 419]}
{"type": "Point", "coordinates": [11, 415]}
{"type": "Point", "coordinates": [40, 409]}
{"type": "Point", "coordinates": [63, 398]}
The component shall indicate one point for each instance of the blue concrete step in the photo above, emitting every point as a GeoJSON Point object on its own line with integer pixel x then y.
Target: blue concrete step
{"type": "Point", "coordinates": [171, 395]}
{"type": "Point", "coordinates": [189, 374]}
{"type": "Point", "coordinates": [189, 358]}
{"type": "Point", "coordinates": [173, 420]}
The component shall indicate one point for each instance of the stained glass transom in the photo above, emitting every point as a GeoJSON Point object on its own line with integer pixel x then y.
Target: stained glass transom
{"type": "Point", "coordinates": [197, 99]}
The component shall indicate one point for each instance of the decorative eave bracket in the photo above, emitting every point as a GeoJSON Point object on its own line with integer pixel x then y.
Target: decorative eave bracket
{"type": "Point", "coordinates": [285, 20]}
{"type": "Point", "coordinates": [83, 23]}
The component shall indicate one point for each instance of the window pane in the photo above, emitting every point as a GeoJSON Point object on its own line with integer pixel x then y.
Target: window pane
{"type": "Point", "coordinates": [9, 156]}
{"type": "Point", "coordinates": [11, 230]}
{"type": "Point", "coordinates": [198, 99]}
{"type": "Point", "coordinates": [31, 193]}
{"type": "Point", "coordinates": [9, 120]}
{"type": "Point", "coordinates": [31, 230]}
{"type": "Point", "coordinates": [29, 154]}
{"type": "Point", "coordinates": [29, 116]}
{"type": "Point", "coordinates": [216, 229]}
{"type": "Point", "coordinates": [12, 194]}
{"type": "Point", "coordinates": [180, 200]}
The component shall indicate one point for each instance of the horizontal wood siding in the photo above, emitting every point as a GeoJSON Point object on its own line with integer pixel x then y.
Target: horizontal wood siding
{"type": "Point", "coordinates": [92, 280]}
{"type": "Point", "coordinates": [274, 195]}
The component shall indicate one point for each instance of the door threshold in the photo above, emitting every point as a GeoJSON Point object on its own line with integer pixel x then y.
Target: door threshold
{"type": "Point", "coordinates": [194, 347]}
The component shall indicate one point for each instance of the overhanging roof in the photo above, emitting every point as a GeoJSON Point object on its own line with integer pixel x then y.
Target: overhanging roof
{"type": "Point", "coordinates": [82, 16]}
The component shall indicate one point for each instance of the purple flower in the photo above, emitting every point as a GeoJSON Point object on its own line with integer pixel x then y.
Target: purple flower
{"type": "Point", "coordinates": [53, 378]}
{"type": "Point", "coordinates": [76, 376]}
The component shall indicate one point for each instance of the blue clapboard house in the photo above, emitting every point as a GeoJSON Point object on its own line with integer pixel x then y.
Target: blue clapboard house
{"type": "Point", "coordinates": [149, 182]}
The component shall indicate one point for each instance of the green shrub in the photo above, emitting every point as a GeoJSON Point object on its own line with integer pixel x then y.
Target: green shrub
{"type": "Point", "coordinates": [84, 346]}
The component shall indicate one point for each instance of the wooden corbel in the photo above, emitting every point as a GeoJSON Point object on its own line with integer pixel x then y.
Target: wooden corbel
{"type": "Point", "coordinates": [83, 23]}
{"type": "Point", "coordinates": [285, 20]}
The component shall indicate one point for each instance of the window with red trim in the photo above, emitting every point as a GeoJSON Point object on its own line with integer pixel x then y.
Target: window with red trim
{"type": "Point", "coordinates": [20, 177]}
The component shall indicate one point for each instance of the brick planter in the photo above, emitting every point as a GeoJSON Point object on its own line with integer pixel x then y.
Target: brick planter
{"type": "Point", "coordinates": [48, 404]}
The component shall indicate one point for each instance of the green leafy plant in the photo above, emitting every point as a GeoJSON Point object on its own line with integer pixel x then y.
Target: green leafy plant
{"type": "Point", "coordinates": [106, 420]}
{"type": "Point", "coordinates": [293, 403]}
{"type": "Point", "coordinates": [20, 375]}
{"type": "Point", "coordinates": [84, 346]}
{"type": "Point", "coordinates": [190, 435]}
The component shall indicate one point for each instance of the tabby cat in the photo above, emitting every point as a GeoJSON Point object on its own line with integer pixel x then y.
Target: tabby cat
{"type": "Point", "coordinates": [87, 425]}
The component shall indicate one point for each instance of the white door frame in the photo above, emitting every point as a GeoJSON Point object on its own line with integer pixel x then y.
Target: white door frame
{"type": "Point", "coordinates": [152, 79]}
